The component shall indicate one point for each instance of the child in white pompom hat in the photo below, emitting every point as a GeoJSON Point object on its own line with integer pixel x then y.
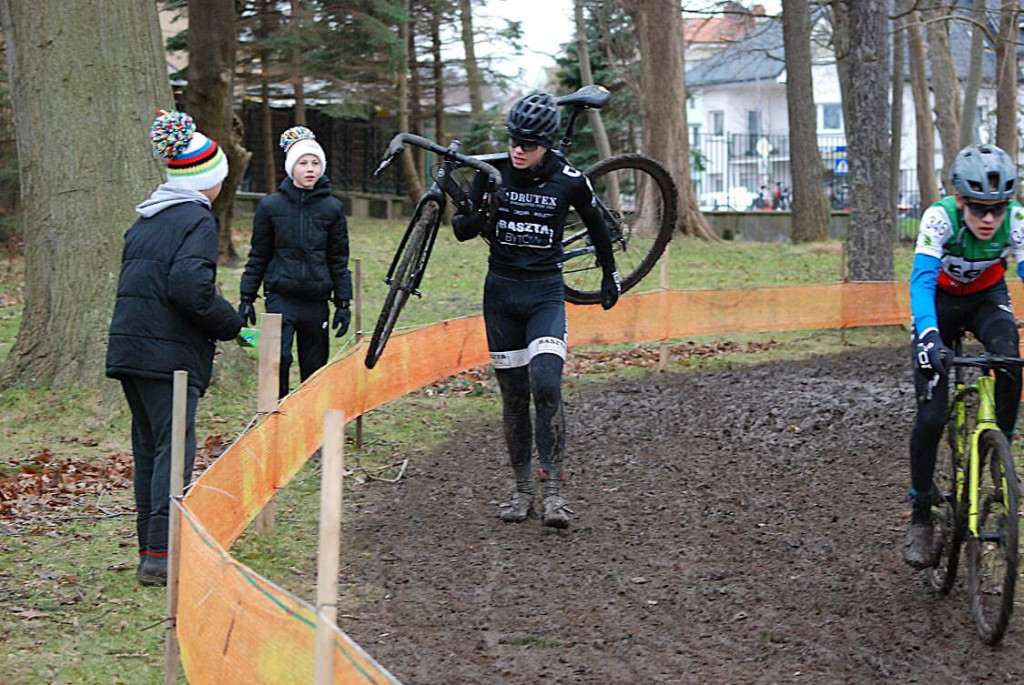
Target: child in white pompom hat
{"type": "Point", "coordinates": [299, 254]}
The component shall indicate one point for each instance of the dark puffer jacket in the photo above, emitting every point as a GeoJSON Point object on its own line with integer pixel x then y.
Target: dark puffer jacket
{"type": "Point", "coordinates": [168, 311]}
{"type": "Point", "coordinates": [299, 245]}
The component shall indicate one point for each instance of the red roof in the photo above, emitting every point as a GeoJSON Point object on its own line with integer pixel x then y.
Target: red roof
{"type": "Point", "coordinates": [728, 27]}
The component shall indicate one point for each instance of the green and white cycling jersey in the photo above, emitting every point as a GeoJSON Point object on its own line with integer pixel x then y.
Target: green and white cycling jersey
{"type": "Point", "coordinates": [969, 265]}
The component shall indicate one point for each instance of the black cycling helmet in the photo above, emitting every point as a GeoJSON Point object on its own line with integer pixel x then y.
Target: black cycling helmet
{"type": "Point", "coordinates": [534, 119]}
{"type": "Point", "coordinates": [984, 172]}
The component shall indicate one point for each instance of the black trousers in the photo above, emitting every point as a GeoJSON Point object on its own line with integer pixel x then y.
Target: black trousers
{"type": "Point", "coordinates": [151, 404]}
{"type": "Point", "coordinates": [305, 322]}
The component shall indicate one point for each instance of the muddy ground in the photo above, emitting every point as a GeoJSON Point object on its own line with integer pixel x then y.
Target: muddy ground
{"type": "Point", "coordinates": [737, 526]}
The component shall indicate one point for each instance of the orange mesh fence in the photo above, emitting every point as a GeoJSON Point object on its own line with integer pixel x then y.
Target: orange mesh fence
{"type": "Point", "coordinates": [242, 628]}
{"type": "Point", "coordinates": [236, 627]}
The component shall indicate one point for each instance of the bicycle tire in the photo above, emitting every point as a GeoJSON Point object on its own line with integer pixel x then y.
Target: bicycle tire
{"type": "Point", "coordinates": [949, 514]}
{"type": "Point", "coordinates": [992, 554]}
{"type": "Point", "coordinates": [404, 280]}
{"type": "Point", "coordinates": [645, 206]}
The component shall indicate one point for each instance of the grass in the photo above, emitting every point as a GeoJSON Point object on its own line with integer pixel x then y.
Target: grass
{"type": "Point", "coordinates": [73, 611]}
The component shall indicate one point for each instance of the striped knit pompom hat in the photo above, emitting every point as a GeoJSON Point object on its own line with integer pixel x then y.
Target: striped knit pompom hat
{"type": "Point", "coordinates": [194, 162]}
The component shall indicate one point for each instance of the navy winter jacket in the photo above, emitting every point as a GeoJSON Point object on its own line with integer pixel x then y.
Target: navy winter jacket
{"type": "Point", "coordinates": [299, 245]}
{"type": "Point", "coordinates": [168, 311]}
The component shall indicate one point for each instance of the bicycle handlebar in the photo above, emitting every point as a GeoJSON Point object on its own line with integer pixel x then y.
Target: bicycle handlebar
{"type": "Point", "coordinates": [397, 145]}
{"type": "Point", "coordinates": [987, 361]}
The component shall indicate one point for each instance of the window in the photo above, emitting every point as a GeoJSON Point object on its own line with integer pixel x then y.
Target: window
{"type": "Point", "coordinates": [830, 117]}
{"type": "Point", "coordinates": [716, 122]}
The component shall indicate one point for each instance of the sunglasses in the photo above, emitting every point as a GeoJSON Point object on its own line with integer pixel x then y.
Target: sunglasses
{"type": "Point", "coordinates": [523, 145]}
{"type": "Point", "coordinates": [980, 210]}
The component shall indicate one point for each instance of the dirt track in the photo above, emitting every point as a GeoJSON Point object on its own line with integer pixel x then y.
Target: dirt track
{"type": "Point", "coordinates": [732, 527]}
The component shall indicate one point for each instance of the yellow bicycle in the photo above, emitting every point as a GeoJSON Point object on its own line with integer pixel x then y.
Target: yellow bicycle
{"type": "Point", "coordinates": [978, 495]}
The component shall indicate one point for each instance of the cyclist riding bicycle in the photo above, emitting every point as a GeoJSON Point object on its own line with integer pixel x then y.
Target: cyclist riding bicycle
{"type": "Point", "coordinates": [957, 285]}
{"type": "Point", "coordinates": [524, 302]}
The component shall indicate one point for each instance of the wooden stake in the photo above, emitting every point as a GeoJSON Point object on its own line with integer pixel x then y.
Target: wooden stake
{"type": "Point", "coordinates": [358, 304]}
{"type": "Point", "coordinates": [663, 347]}
{"type": "Point", "coordinates": [267, 389]}
{"type": "Point", "coordinates": [332, 471]}
{"type": "Point", "coordinates": [179, 421]}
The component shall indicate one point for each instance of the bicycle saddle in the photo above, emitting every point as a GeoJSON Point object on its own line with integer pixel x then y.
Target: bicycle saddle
{"type": "Point", "coordinates": [587, 97]}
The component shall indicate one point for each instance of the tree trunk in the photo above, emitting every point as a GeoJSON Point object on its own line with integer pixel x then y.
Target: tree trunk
{"type": "Point", "coordinates": [945, 86]}
{"type": "Point", "coordinates": [440, 135]}
{"type": "Point", "coordinates": [862, 44]}
{"type": "Point", "coordinates": [209, 98]}
{"type": "Point", "coordinates": [604, 148]}
{"type": "Point", "coordinates": [82, 129]}
{"type": "Point", "coordinates": [298, 81]}
{"type": "Point", "coordinates": [811, 213]}
{"type": "Point", "coordinates": [410, 174]}
{"type": "Point", "coordinates": [973, 80]}
{"type": "Point", "coordinates": [266, 120]}
{"type": "Point", "coordinates": [474, 78]}
{"type": "Point", "coordinates": [924, 124]}
{"type": "Point", "coordinates": [1006, 78]}
{"type": "Point", "coordinates": [663, 102]}
{"type": "Point", "coordinates": [899, 62]}
{"type": "Point", "coordinates": [415, 124]}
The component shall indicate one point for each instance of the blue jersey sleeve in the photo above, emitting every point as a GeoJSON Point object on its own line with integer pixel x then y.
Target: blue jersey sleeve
{"type": "Point", "coordinates": [923, 281]}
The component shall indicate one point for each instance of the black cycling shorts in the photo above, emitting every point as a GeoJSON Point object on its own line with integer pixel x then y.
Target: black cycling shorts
{"type": "Point", "coordinates": [524, 317]}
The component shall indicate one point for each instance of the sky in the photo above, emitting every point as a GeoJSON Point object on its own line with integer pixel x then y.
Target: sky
{"type": "Point", "coordinates": [547, 24]}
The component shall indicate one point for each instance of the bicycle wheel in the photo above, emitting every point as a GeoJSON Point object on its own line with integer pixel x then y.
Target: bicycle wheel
{"type": "Point", "coordinates": [992, 555]}
{"type": "Point", "coordinates": [640, 203]}
{"type": "Point", "coordinates": [949, 514]}
{"type": "Point", "coordinates": [404, 280]}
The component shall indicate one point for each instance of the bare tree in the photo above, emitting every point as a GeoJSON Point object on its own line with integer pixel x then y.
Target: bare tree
{"type": "Point", "coordinates": [1006, 77]}
{"type": "Point", "coordinates": [410, 174]}
{"type": "Point", "coordinates": [811, 213]}
{"type": "Point", "coordinates": [663, 101]}
{"type": "Point", "coordinates": [82, 128]}
{"type": "Point", "coordinates": [474, 78]}
{"type": "Point", "coordinates": [923, 122]}
{"type": "Point", "coordinates": [899, 61]}
{"type": "Point", "coordinates": [604, 148]}
{"type": "Point", "coordinates": [264, 30]}
{"type": "Point", "coordinates": [862, 56]}
{"type": "Point", "coordinates": [210, 100]}
{"type": "Point", "coordinates": [298, 74]}
{"type": "Point", "coordinates": [945, 86]}
{"type": "Point", "coordinates": [973, 80]}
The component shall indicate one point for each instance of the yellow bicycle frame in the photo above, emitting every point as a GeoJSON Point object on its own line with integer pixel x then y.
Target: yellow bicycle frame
{"type": "Point", "coordinates": [986, 421]}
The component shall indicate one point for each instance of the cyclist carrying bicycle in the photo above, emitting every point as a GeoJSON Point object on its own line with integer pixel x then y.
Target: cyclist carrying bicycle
{"type": "Point", "coordinates": [524, 301]}
{"type": "Point", "coordinates": [957, 285]}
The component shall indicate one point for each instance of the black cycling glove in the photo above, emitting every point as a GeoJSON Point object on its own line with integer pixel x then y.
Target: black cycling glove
{"type": "Point", "coordinates": [469, 225]}
{"type": "Point", "coordinates": [929, 358]}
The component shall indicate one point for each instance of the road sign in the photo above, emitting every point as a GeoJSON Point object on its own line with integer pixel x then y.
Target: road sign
{"type": "Point", "coordinates": [841, 167]}
{"type": "Point", "coordinates": [763, 147]}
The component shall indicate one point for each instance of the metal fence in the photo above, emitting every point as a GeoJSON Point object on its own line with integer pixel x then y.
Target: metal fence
{"type": "Point", "coordinates": [747, 172]}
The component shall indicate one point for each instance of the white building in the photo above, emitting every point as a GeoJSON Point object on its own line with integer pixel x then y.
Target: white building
{"type": "Point", "coordinates": [739, 119]}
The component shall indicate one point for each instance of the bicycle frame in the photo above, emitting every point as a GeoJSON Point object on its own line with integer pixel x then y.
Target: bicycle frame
{"type": "Point", "coordinates": [439, 191]}
{"type": "Point", "coordinates": [588, 97]}
{"type": "Point", "coordinates": [984, 387]}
